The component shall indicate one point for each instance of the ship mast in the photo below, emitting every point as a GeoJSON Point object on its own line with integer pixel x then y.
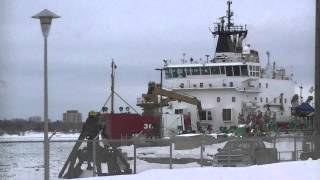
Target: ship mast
{"type": "Point", "coordinates": [113, 67]}
{"type": "Point", "coordinates": [230, 36]}
{"type": "Point", "coordinates": [229, 14]}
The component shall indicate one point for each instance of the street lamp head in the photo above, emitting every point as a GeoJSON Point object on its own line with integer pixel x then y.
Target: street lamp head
{"type": "Point", "coordinates": [45, 17]}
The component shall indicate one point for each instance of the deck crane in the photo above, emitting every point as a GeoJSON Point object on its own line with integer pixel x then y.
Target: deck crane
{"type": "Point", "coordinates": [151, 102]}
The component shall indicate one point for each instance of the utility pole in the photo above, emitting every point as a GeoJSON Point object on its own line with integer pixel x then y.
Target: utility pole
{"type": "Point", "coordinates": [317, 81]}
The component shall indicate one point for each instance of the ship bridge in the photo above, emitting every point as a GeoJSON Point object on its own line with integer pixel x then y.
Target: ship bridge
{"type": "Point", "coordinates": [235, 69]}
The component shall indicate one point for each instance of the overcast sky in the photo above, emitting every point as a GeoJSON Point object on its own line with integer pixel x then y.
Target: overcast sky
{"type": "Point", "coordinates": [138, 35]}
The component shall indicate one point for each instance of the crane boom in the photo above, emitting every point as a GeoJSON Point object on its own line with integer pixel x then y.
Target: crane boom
{"type": "Point", "coordinates": [151, 101]}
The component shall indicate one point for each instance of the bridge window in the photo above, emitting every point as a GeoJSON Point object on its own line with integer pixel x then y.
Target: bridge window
{"type": "Point", "coordinates": [174, 72]}
{"type": "Point", "coordinates": [226, 114]}
{"type": "Point", "coordinates": [188, 72]}
{"type": "Point", "coordinates": [167, 72]}
{"type": "Point", "coordinates": [181, 72]}
{"type": "Point", "coordinates": [244, 70]}
{"type": "Point", "coordinates": [195, 71]}
{"type": "Point", "coordinates": [229, 71]}
{"type": "Point", "coordinates": [222, 70]}
{"type": "Point", "coordinates": [236, 70]}
{"type": "Point", "coordinates": [205, 70]}
{"type": "Point", "coordinates": [215, 70]}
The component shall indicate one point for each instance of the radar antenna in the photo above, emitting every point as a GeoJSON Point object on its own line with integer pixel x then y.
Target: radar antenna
{"type": "Point", "coordinates": [229, 14]}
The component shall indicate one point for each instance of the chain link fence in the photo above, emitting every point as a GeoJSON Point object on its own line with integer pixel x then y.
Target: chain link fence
{"type": "Point", "coordinates": [20, 159]}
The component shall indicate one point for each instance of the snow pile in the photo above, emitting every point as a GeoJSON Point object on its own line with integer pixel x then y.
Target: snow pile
{"type": "Point", "coordinates": [164, 151]}
{"type": "Point", "coordinates": [38, 136]}
{"type": "Point", "coordinates": [287, 170]}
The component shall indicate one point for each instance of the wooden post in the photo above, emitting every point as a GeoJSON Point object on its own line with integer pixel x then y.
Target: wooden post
{"type": "Point", "coordinates": [317, 81]}
{"type": "Point", "coordinates": [94, 173]}
{"type": "Point", "coordinates": [170, 154]}
{"type": "Point", "coordinates": [134, 158]}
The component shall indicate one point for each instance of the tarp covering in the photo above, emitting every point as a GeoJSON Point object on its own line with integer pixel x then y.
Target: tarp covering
{"type": "Point", "coordinates": [304, 108]}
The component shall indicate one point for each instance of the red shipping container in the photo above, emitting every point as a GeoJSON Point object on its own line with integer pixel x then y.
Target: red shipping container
{"type": "Point", "coordinates": [124, 124]}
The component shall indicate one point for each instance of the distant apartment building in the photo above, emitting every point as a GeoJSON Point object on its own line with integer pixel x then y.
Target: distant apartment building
{"type": "Point", "coordinates": [73, 118]}
{"type": "Point", "coordinates": [35, 119]}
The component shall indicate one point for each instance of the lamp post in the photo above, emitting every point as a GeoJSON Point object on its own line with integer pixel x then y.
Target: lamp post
{"type": "Point", "coordinates": [161, 120]}
{"type": "Point", "coordinates": [45, 17]}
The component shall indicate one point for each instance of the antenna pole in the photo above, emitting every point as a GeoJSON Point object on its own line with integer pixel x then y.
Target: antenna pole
{"type": "Point", "coordinates": [268, 54]}
{"type": "Point", "coordinates": [301, 98]}
{"type": "Point", "coordinates": [113, 66]}
{"type": "Point", "coordinates": [229, 14]}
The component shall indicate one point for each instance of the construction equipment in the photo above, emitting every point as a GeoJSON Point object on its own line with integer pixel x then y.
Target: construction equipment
{"type": "Point", "coordinates": [151, 102]}
{"type": "Point", "coordinates": [93, 152]}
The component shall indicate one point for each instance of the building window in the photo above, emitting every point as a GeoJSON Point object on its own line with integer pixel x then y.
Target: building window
{"type": "Point", "coordinates": [275, 100]}
{"type": "Point", "coordinates": [266, 100]}
{"type": "Point", "coordinates": [259, 85]}
{"type": "Point", "coordinates": [261, 100]}
{"type": "Point", "coordinates": [205, 115]}
{"type": "Point", "coordinates": [255, 98]}
{"type": "Point", "coordinates": [178, 111]}
{"type": "Point", "coordinates": [226, 114]}
{"type": "Point", "coordinates": [202, 115]}
{"type": "Point", "coordinates": [218, 99]}
{"type": "Point", "coordinates": [209, 115]}
{"type": "Point", "coordinates": [201, 85]}
{"type": "Point", "coordinates": [233, 99]}
{"type": "Point", "coordinates": [231, 84]}
{"type": "Point", "coordinates": [285, 100]}
{"type": "Point", "coordinates": [181, 85]}
{"type": "Point", "coordinates": [267, 85]}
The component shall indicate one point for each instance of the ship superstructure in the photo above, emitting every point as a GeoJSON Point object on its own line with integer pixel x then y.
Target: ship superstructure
{"type": "Point", "coordinates": [230, 85]}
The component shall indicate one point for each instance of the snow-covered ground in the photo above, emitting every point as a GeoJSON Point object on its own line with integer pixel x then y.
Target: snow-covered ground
{"type": "Point", "coordinates": [299, 170]}
{"type": "Point", "coordinates": [21, 160]}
